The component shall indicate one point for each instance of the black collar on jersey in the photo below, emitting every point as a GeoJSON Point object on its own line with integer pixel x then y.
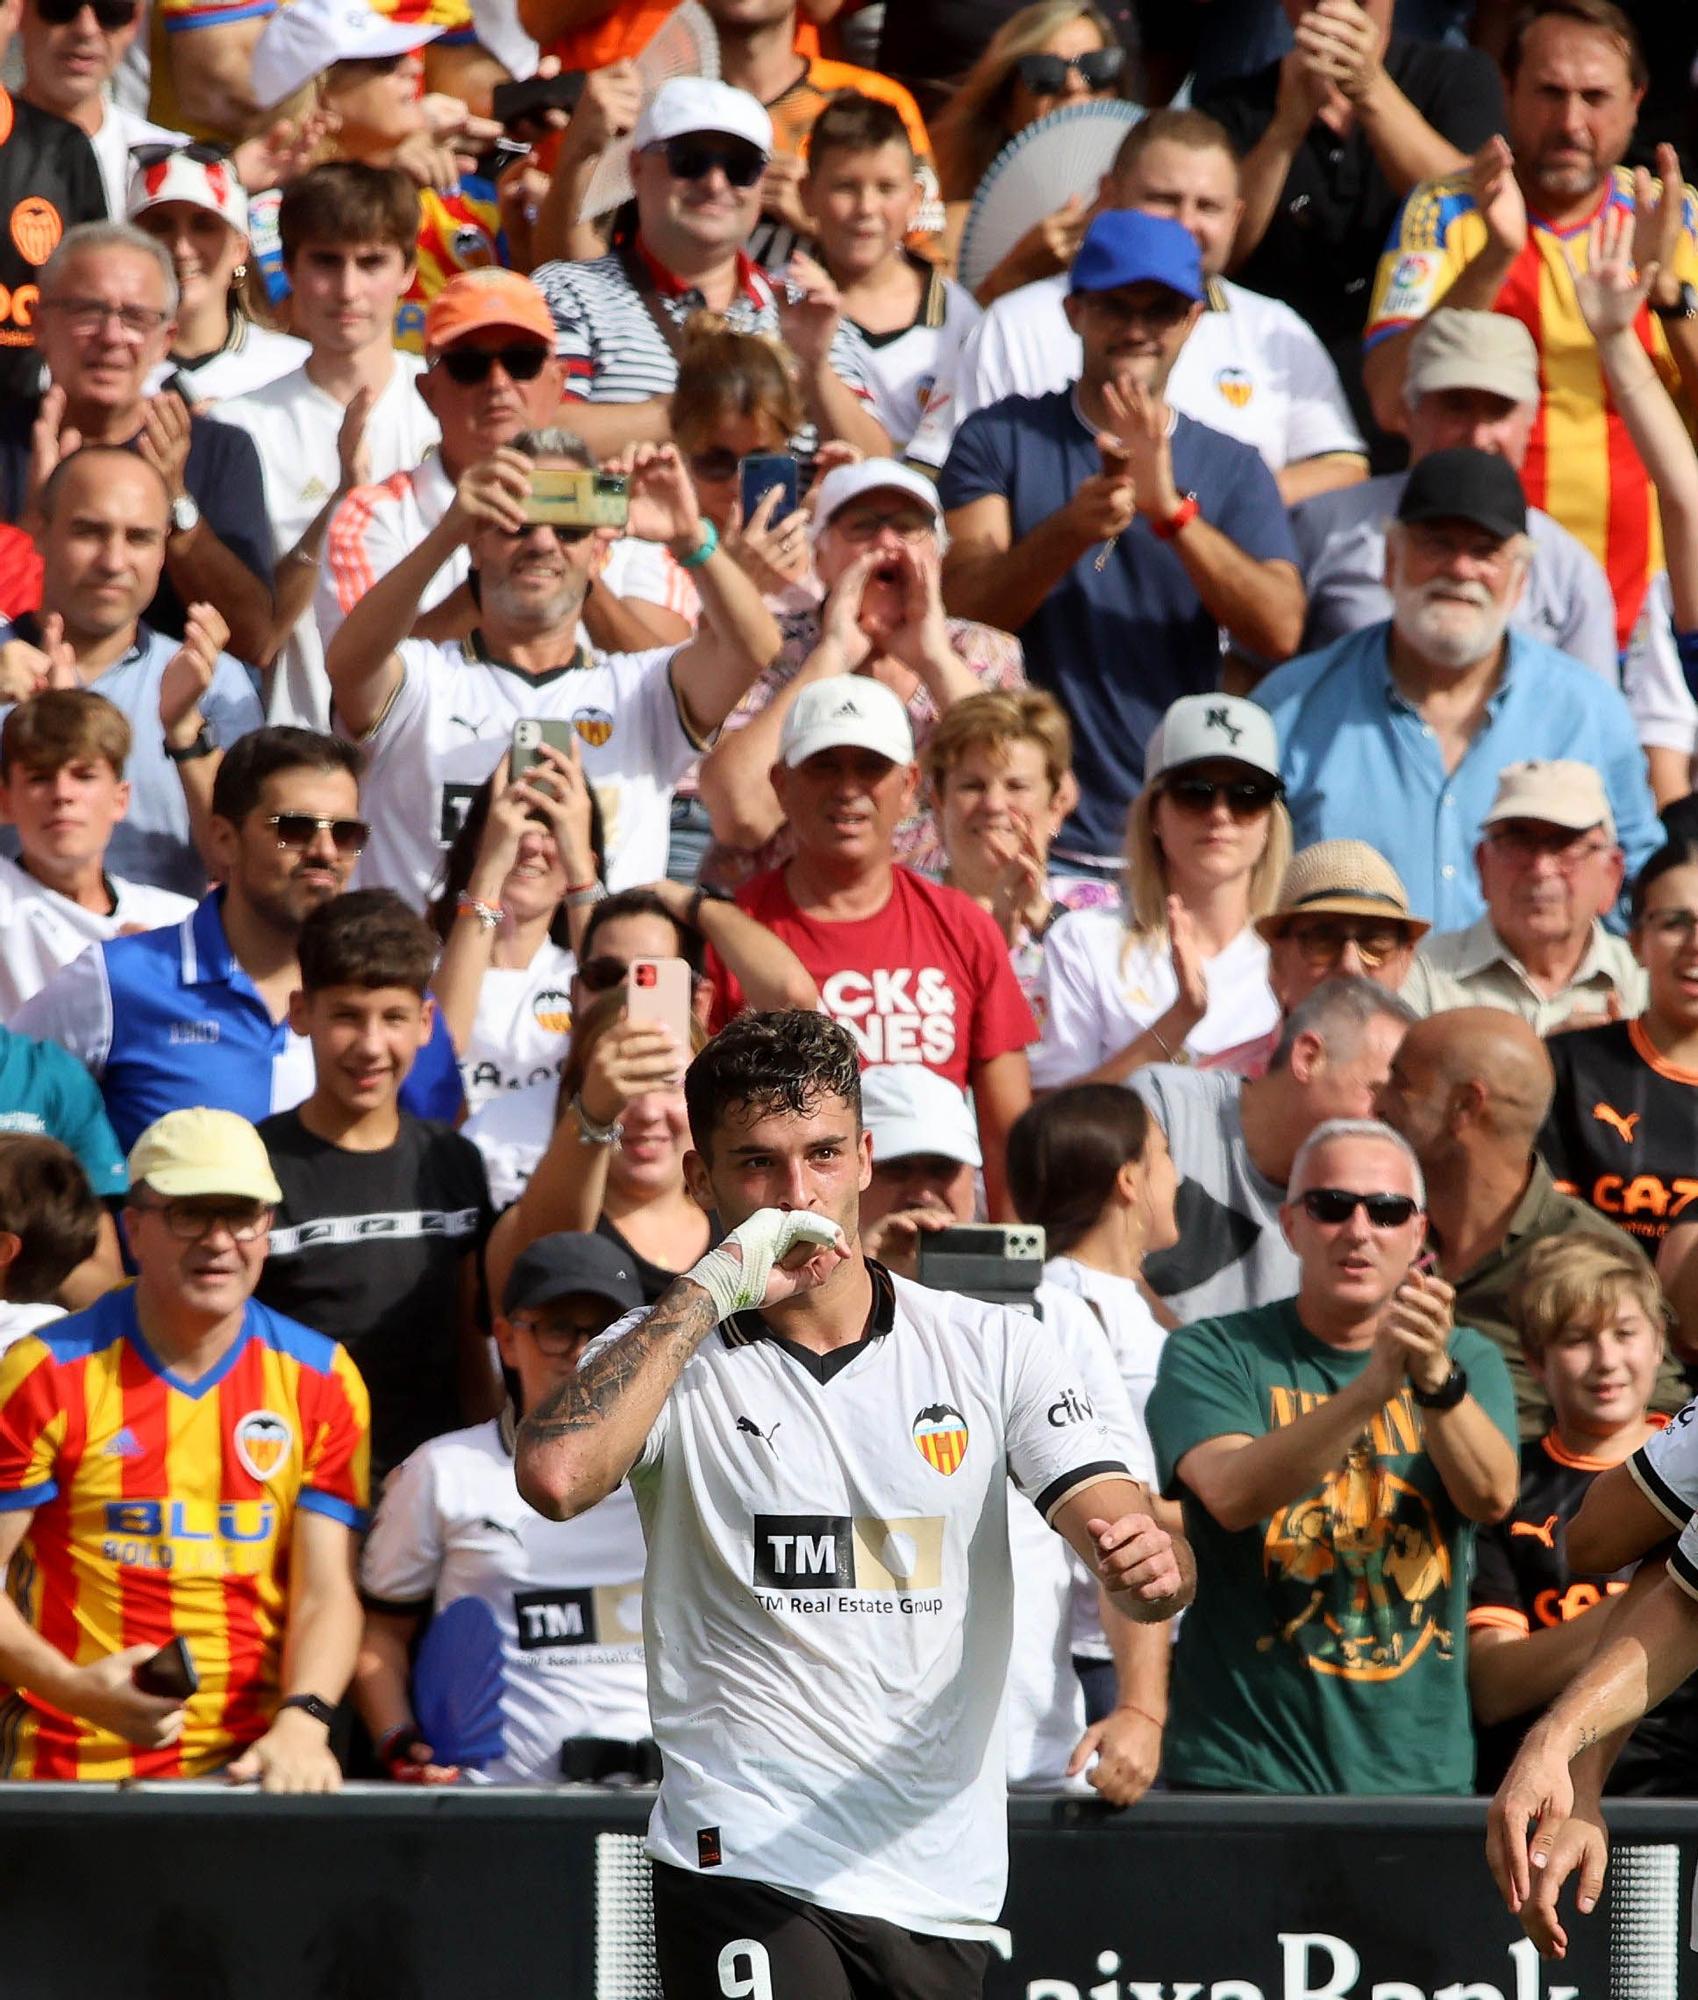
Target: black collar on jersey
{"type": "Point", "coordinates": [743, 1328]}
{"type": "Point", "coordinates": [235, 339]}
{"type": "Point", "coordinates": [932, 311]}
{"type": "Point", "coordinates": [476, 648]}
{"type": "Point", "coordinates": [507, 1429]}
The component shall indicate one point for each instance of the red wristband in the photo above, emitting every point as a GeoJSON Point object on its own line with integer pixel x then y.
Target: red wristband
{"type": "Point", "coordinates": [1181, 517]}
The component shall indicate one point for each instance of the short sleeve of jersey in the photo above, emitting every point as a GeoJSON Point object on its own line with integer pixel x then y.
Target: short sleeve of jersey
{"type": "Point", "coordinates": [978, 461]}
{"type": "Point", "coordinates": [180, 14]}
{"type": "Point", "coordinates": [402, 1556]}
{"type": "Point", "coordinates": [1203, 1390]}
{"type": "Point", "coordinates": [422, 661]}
{"type": "Point", "coordinates": [1251, 513]}
{"type": "Point", "coordinates": [72, 1013]}
{"type": "Point", "coordinates": [33, 1423]}
{"type": "Point", "coordinates": [1493, 1598]}
{"type": "Point", "coordinates": [337, 1469]}
{"type": "Point", "coordinates": [1319, 421]}
{"type": "Point", "coordinates": [643, 688]}
{"type": "Point", "coordinates": [1056, 1442]}
{"type": "Point", "coordinates": [1067, 1005]}
{"type": "Point", "coordinates": [850, 359]}
{"type": "Point", "coordinates": [1665, 1467]}
{"type": "Point", "coordinates": [1436, 232]}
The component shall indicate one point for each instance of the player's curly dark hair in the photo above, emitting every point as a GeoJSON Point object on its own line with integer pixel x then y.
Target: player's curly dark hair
{"type": "Point", "coordinates": [788, 1060]}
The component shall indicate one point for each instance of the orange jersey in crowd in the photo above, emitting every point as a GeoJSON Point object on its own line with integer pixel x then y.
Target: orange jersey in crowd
{"type": "Point", "coordinates": [165, 1508]}
{"type": "Point", "coordinates": [1581, 465]}
{"type": "Point", "coordinates": [625, 30]}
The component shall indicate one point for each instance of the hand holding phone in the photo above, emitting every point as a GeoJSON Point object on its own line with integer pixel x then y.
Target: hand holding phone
{"type": "Point", "coordinates": [170, 1673]}
{"type": "Point", "coordinates": [759, 473]}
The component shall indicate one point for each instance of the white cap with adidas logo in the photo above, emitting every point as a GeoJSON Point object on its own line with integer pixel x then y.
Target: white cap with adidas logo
{"type": "Point", "coordinates": [853, 709]}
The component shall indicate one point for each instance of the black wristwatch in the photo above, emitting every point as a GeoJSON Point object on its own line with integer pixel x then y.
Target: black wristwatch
{"type": "Point", "coordinates": [202, 746]}
{"type": "Point", "coordinates": [1447, 1395]}
{"type": "Point", "coordinates": [704, 893]}
{"type": "Point", "coordinates": [1685, 305]}
{"type": "Point", "coordinates": [319, 1710]}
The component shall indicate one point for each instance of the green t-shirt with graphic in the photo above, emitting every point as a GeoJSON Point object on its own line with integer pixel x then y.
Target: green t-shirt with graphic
{"type": "Point", "coordinates": [1325, 1651]}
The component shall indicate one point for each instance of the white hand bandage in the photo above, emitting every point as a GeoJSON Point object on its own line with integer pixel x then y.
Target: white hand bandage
{"type": "Point", "coordinates": [735, 1274]}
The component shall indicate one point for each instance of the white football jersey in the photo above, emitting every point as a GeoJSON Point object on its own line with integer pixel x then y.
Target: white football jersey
{"type": "Point", "coordinates": [452, 718]}
{"type": "Point", "coordinates": [42, 931]}
{"type": "Point", "coordinates": [1665, 1467]}
{"type": "Point", "coordinates": [564, 1596]}
{"type": "Point", "coordinates": [830, 1598]}
{"type": "Point", "coordinates": [520, 1030]}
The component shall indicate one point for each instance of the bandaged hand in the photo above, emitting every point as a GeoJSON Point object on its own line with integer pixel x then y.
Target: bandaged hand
{"type": "Point", "coordinates": [773, 1256]}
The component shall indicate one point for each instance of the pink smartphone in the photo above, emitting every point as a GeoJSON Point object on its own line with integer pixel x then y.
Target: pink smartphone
{"type": "Point", "coordinates": [658, 989]}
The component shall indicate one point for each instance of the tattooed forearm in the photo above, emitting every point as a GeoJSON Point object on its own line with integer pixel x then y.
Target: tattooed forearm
{"type": "Point", "coordinates": [652, 1353]}
{"type": "Point", "coordinates": [1585, 1739]}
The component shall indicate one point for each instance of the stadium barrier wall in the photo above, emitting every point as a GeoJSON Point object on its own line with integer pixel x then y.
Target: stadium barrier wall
{"type": "Point", "coordinates": [198, 1893]}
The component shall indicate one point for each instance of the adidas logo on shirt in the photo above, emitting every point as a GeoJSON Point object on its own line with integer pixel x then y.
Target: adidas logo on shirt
{"type": "Point", "coordinates": [124, 1445]}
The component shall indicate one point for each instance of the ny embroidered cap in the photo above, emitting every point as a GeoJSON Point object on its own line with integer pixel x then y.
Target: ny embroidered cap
{"type": "Point", "coordinates": [1462, 484]}
{"type": "Point", "coordinates": [1127, 247]}
{"type": "Point", "coordinates": [300, 40]}
{"type": "Point", "coordinates": [851, 709]}
{"type": "Point", "coordinates": [1346, 878]}
{"type": "Point", "coordinates": [1559, 792]}
{"type": "Point", "coordinates": [572, 1261]}
{"type": "Point", "coordinates": [208, 184]}
{"type": "Point", "coordinates": [476, 301]}
{"type": "Point", "coordinates": [1201, 727]}
{"type": "Point", "coordinates": [911, 1109]}
{"type": "Point", "coordinates": [871, 475]}
{"type": "Point", "coordinates": [1454, 348]}
{"type": "Point", "coordinates": [202, 1151]}
{"type": "Point", "coordinates": [685, 104]}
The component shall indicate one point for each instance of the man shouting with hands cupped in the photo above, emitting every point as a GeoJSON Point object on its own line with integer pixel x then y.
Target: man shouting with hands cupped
{"type": "Point", "coordinates": [819, 1453]}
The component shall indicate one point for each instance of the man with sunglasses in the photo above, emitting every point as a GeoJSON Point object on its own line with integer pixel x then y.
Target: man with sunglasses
{"type": "Point", "coordinates": [698, 156]}
{"type": "Point", "coordinates": [1333, 1452]}
{"type": "Point", "coordinates": [179, 1463]}
{"type": "Point", "coordinates": [199, 1013]}
{"type": "Point", "coordinates": [1100, 525]}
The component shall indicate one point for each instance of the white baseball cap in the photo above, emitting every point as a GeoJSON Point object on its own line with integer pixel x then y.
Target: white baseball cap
{"type": "Point", "coordinates": [1199, 727]}
{"type": "Point", "coordinates": [911, 1109]}
{"type": "Point", "coordinates": [853, 709]}
{"type": "Point", "coordinates": [871, 475]}
{"type": "Point", "coordinates": [685, 104]}
{"type": "Point", "coordinates": [208, 184]}
{"type": "Point", "coordinates": [300, 40]}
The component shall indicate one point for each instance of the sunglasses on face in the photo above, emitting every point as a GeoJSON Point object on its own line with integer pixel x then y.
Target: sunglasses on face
{"type": "Point", "coordinates": [110, 14]}
{"type": "Point", "coordinates": [567, 537]}
{"type": "Point", "coordinates": [202, 152]}
{"type": "Point", "coordinates": [1384, 1211]}
{"type": "Point", "coordinates": [471, 365]}
{"type": "Point", "coordinates": [1245, 797]}
{"type": "Point", "coordinates": [601, 975]}
{"type": "Point", "coordinates": [1323, 944]}
{"type": "Point", "coordinates": [300, 830]}
{"type": "Point", "coordinates": [692, 159]}
{"type": "Point", "coordinates": [1046, 76]}
{"type": "Point", "coordinates": [715, 465]}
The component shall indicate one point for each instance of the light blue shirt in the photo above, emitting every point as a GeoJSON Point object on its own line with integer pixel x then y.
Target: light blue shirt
{"type": "Point", "coordinates": [1361, 764]}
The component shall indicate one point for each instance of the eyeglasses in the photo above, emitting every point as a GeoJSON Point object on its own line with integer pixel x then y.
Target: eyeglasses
{"type": "Point", "coordinates": [1159, 308]}
{"type": "Point", "coordinates": [348, 836]}
{"type": "Point", "coordinates": [1446, 545]}
{"type": "Point", "coordinates": [471, 365]}
{"type": "Point", "coordinates": [1384, 1211]}
{"type": "Point", "coordinates": [187, 1224]}
{"type": "Point", "coordinates": [1674, 926]}
{"type": "Point", "coordinates": [1245, 797]}
{"type": "Point", "coordinates": [691, 159]}
{"type": "Point", "coordinates": [109, 14]}
{"type": "Point", "coordinates": [203, 151]}
{"type": "Point", "coordinates": [715, 465]}
{"type": "Point", "coordinates": [85, 316]}
{"type": "Point", "coordinates": [1323, 944]}
{"type": "Point", "coordinates": [1557, 843]}
{"type": "Point", "coordinates": [553, 1338]}
{"type": "Point", "coordinates": [1046, 76]}
{"type": "Point", "coordinates": [858, 527]}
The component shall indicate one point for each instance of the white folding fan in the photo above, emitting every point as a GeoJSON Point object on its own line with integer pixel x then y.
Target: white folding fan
{"type": "Point", "coordinates": [1066, 153]}
{"type": "Point", "coordinates": [685, 44]}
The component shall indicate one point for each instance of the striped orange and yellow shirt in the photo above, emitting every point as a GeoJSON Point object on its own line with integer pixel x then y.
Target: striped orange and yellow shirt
{"type": "Point", "coordinates": [162, 1507]}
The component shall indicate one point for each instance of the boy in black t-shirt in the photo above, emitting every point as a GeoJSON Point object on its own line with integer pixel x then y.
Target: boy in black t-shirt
{"type": "Point", "coordinates": [378, 1239]}
{"type": "Point", "coordinates": [1591, 1319]}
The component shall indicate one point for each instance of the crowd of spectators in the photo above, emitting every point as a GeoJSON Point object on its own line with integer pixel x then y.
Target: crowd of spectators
{"type": "Point", "coordinates": [489, 520]}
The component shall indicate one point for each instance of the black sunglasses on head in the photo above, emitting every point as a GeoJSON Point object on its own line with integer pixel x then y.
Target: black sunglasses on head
{"type": "Point", "coordinates": [204, 152]}
{"type": "Point", "coordinates": [1046, 76]}
{"type": "Point", "coordinates": [602, 974]}
{"type": "Point", "coordinates": [1384, 1211]}
{"type": "Point", "coordinates": [692, 159]}
{"type": "Point", "coordinates": [470, 365]}
{"type": "Point", "coordinates": [1245, 797]}
{"type": "Point", "coordinates": [109, 14]}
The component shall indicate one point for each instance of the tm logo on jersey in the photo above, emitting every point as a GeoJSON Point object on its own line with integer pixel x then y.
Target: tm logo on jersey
{"type": "Point", "coordinates": [857, 1563]}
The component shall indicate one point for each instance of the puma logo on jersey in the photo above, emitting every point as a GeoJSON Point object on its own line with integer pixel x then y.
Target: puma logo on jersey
{"type": "Point", "coordinates": [1545, 1533]}
{"type": "Point", "coordinates": [750, 1428]}
{"type": "Point", "coordinates": [1618, 1121]}
{"type": "Point", "coordinates": [501, 1528]}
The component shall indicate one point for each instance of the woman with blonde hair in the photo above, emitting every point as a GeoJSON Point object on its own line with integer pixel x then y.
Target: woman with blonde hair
{"type": "Point", "coordinates": [1053, 53]}
{"type": "Point", "coordinates": [1181, 975]}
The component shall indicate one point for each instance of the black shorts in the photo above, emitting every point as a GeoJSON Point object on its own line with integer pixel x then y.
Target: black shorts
{"type": "Point", "coordinates": [719, 1938]}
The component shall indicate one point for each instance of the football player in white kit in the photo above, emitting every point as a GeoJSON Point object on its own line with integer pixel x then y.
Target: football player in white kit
{"type": "Point", "coordinates": [819, 1452]}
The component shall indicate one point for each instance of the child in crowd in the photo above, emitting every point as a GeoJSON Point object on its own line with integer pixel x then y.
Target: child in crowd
{"type": "Point", "coordinates": [378, 1237]}
{"type": "Point", "coordinates": [49, 1224]}
{"type": "Point", "coordinates": [63, 788]}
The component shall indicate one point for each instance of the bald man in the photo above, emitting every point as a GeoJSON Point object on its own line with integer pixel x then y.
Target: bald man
{"type": "Point", "coordinates": [1469, 1090]}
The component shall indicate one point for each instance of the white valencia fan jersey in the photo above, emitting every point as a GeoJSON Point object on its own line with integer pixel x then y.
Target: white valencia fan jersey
{"type": "Point", "coordinates": [828, 1604]}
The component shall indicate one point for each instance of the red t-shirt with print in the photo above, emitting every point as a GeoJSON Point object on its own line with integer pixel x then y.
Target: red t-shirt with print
{"type": "Point", "coordinates": [927, 980]}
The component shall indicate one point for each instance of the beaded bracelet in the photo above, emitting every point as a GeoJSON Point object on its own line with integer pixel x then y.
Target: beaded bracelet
{"type": "Point", "coordinates": [488, 915]}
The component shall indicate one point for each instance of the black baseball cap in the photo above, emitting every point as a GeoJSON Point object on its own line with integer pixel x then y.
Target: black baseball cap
{"type": "Point", "coordinates": [1462, 484]}
{"type": "Point", "coordinates": [572, 1261]}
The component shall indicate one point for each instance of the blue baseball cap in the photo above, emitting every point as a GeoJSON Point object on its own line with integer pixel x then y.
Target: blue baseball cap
{"type": "Point", "coordinates": [1127, 247]}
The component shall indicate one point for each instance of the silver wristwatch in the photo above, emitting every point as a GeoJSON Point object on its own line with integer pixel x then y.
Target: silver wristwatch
{"type": "Point", "coordinates": [184, 514]}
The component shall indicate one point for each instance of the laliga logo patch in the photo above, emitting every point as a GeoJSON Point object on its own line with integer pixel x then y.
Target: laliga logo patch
{"type": "Point", "coordinates": [1235, 385]}
{"type": "Point", "coordinates": [552, 1011]}
{"type": "Point", "coordinates": [263, 1441]}
{"type": "Point", "coordinates": [594, 725]}
{"type": "Point", "coordinates": [940, 1437]}
{"type": "Point", "coordinates": [36, 229]}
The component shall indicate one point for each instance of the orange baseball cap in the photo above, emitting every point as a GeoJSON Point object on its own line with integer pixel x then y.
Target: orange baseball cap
{"type": "Point", "coordinates": [473, 301]}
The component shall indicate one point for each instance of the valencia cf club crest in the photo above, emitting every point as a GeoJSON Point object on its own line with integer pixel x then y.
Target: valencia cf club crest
{"type": "Point", "coordinates": [552, 1010]}
{"type": "Point", "coordinates": [263, 1441]}
{"type": "Point", "coordinates": [594, 725]}
{"type": "Point", "coordinates": [36, 229]}
{"type": "Point", "coordinates": [940, 1436]}
{"type": "Point", "coordinates": [1235, 386]}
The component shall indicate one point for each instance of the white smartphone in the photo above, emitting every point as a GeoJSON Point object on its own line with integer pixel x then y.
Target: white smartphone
{"type": "Point", "coordinates": [658, 989]}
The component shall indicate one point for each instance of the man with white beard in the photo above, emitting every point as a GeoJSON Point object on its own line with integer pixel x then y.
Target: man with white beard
{"type": "Point", "coordinates": [1396, 734]}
